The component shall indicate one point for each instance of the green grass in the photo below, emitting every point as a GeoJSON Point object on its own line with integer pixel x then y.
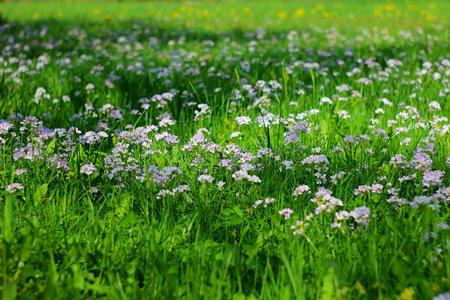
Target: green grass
{"type": "Point", "coordinates": [68, 235]}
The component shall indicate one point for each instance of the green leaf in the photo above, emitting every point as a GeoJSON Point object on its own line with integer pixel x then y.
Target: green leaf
{"type": "Point", "coordinates": [328, 287]}
{"type": "Point", "coordinates": [41, 193]}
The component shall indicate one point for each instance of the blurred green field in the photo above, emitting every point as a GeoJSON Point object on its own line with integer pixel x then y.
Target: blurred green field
{"type": "Point", "coordinates": [226, 15]}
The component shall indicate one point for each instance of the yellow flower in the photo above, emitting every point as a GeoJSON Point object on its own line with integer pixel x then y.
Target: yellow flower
{"type": "Point", "coordinates": [247, 11]}
{"type": "Point", "coordinates": [300, 12]}
{"type": "Point", "coordinates": [282, 14]}
{"type": "Point", "coordinates": [435, 287]}
{"type": "Point", "coordinates": [378, 11]}
{"type": "Point", "coordinates": [390, 6]}
{"type": "Point", "coordinates": [360, 288]}
{"type": "Point", "coordinates": [407, 294]}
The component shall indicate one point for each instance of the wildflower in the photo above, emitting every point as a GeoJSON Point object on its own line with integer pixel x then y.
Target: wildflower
{"type": "Point", "coordinates": [399, 161]}
{"type": "Point", "coordinates": [443, 296]}
{"type": "Point", "coordinates": [432, 178]}
{"type": "Point", "coordinates": [14, 187]}
{"type": "Point", "coordinates": [288, 164]}
{"type": "Point", "coordinates": [205, 178]}
{"type": "Point", "coordinates": [407, 294]}
{"type": "Point", "coordinates": [315, 160]}
{"type": "Point", "coordinates": [265, 202]}
{"type": "Point", "coordinates": [299, 227]}
{"type": "Point", "coordinates": [301, 189]}
{"type": "Point", "coordinates": [20, 171]}
{"type": "Point", "coordinates": [325, 201]}
{"type": "Point", "coordinates": [434, 106]}
{"type": "Point", "coordinates": [244, 120]}
{"type": "Point", "coordinates": [386, 102]}
{"type": "Point", "coordinates": [235, 134]}
{"type": "Point", "coordinates": [28, 152]}
{"type": "Point", "coordinates": [325, 100]}
{"type": "Point", "coordinates": [88, 169]}
{"type": "Point", "coordinates": [90, 138]}
{"type": "Point", "coordinates": [424, 201]}
{"type": "Point", "coordinates": [167, 137]}
{"type": "Point", "coordinates": [421, 161]}
{"type": "Point", "coordinates": [40, 94]}
{"type": "Point", "coordinates": [5, 126]}
{"type": "Point", "coordinates": [286, 213]}
{"type": "Point", "coordinates": [90, 88]}
{"type": "Point", "coordinates": [203, 110]}
{"type": "Point", "coordinates": [343, 114]}
{"type": "Point", "coordinates": [361, 215]}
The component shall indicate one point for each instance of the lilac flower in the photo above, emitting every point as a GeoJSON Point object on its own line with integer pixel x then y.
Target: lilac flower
{"type": "Point", "coordinates": [399, 161]}
{"type": "Point", "coordinates": [432, 178]}
{"type": "Point", "coordinates": [205, 178]}
{"type": "Point", "coordinates": [177, 190]}
{"type": "Point", "coordinates": [14, 187]}
{"type": "Point", "coordinates": [167, 137]}
{"type": "Point", "coordinates": [301, 189]}
{"type": "Point", "coordinates": [20, 171]}
{"type": "Point", "coordinates": [5, 126]}
{"type": "Point", "coordinates": [88, 169]}
{"type": "Point", "coordinates": [419, 201]}
{"type": "Point", "coordinates": [28, 152]}
{"type": "Point", "coordinates": [286, 213]}
{"type": "Point", "coordinates": [361, 215]}
{"type": "Point", "coordinates": [316, 160]}
{"type": "Point", "coordinates": [90, 138]}
{"type": "Point", "coordinates": [202, 111]}
{"type": "Point", "coordinates": [265, 202]}
{"type": "Point", "coordinates": [421, 161]}
{"type": "Point", "coordinates": [324, 201]}
{"type": "Point", "coordinates": [244, 120]}
{"type": "Point", "coordinates": [59, 162]}
{"type": "Point", "coordinates": [443, 296]}
{"type": "Point", "coordinates": [299, 227]}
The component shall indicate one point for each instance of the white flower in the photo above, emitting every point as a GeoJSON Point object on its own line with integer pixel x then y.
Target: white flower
{"type": "Point", "coordinates": [325, 100]}
{"type": "Point", "coordinates": [343, 114]}
{"type": "Point", "coordinates": [203, 109]}
{"type": "Point", "coordinates": [90, 88]}
{"type": "Point", "coordinates": [434, 106]}
{"type": "Point", "coordinates": [40, 94]}
{"type": "Point", "coordinates": [244, 120]}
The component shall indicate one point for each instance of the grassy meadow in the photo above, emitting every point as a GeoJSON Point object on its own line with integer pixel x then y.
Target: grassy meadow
{"type": "Point", "coordinates": [225, 150]}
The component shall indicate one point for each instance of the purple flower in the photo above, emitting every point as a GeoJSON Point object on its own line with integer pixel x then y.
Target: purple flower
{"type": "Point", "coordinates": [421, 161]}
{"type": "Point", "coordinates": [432, 178]}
